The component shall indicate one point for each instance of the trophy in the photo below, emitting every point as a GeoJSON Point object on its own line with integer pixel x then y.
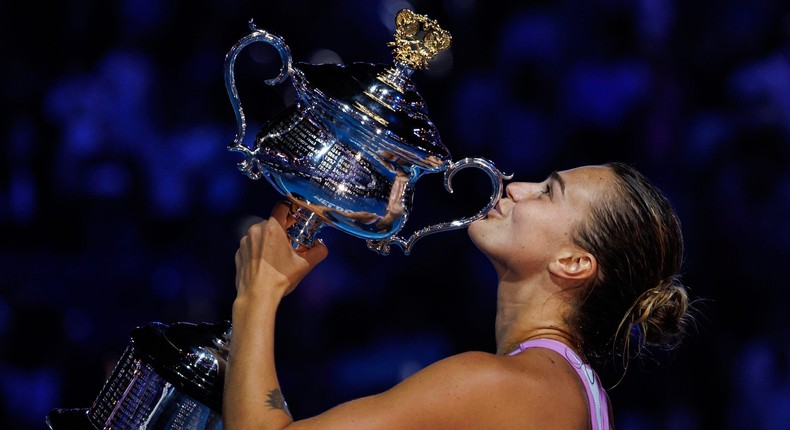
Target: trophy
{"type": "Point", "coordinates": [170, 377]}
{"type": "Point", "coordinates": [349, 151]}
{"type": "Point", "coordinates": [347, 154]}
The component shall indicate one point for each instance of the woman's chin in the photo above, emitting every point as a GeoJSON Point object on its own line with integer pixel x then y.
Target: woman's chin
{"type": "Point", "coordinates": [476, 231]}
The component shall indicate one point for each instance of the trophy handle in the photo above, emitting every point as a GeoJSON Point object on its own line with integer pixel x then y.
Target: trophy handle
{"type": "Point", "coordinates": [257, 35]}
{"type": "Point", "coordinates": [383, 246]}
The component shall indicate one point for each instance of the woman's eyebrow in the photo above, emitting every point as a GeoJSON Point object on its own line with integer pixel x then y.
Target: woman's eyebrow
{"type": "Point", "coordinates": [555, 177]}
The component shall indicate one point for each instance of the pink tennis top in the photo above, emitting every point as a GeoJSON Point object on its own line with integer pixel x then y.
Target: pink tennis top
{"type": "Point", "coordinates": [596, 395]}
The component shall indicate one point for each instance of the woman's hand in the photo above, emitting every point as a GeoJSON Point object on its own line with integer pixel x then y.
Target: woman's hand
{"type": "Point", "coordinates": [266, 264]}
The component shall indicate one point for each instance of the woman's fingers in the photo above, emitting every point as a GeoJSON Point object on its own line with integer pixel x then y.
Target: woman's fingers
{"type": "Point", "coordinates": [282, 213]}
{"type": "Point", "coordinates": [316, 253]}
{"type": "Point", "coordinates": [266, 259]}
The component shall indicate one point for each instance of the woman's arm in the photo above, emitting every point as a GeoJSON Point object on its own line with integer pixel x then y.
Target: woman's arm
{"type": "Point", "coordinates": [267, 269]}
{"type": "Point", "coordinates": [459, 392]}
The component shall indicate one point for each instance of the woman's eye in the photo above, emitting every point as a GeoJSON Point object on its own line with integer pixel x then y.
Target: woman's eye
{"type": "Point", "coordinates": [547, 190]}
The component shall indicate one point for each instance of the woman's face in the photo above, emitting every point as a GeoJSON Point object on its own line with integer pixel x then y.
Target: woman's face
{"type": "Point", "coordinates": [535, 221]}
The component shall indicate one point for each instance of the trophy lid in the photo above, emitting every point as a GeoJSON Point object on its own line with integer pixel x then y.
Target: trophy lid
{"type": "Point", "coordinates": [377, 106]}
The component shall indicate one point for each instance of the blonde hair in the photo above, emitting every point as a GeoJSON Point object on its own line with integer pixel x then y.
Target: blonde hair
{"type": "Point", "coordinates": [635, 236]}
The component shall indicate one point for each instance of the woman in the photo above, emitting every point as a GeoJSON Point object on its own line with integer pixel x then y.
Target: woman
{"type": "Point", "coordinates": [586, 260]}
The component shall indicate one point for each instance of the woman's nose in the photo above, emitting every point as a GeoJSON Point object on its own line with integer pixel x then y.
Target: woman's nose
{"type": "Point", "coordinates": [518, 190]}
{"type": "Point", "coordinates": [515, 191]}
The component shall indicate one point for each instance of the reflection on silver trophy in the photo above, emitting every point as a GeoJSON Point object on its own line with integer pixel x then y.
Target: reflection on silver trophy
{"type": "Point", "coordinates": [346, 154]}
{"type": "Point", "coordinates": [349, 151]}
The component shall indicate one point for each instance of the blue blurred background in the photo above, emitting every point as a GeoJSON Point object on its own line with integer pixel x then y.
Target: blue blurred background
{"type": "Point", "coordinates": [120, 205]}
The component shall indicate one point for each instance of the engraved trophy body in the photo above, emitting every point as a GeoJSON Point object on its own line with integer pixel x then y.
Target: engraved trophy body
{"type": "Point", "coordinates": [350, 150]}
{"type": "Point", "coordinates": [347, 154]}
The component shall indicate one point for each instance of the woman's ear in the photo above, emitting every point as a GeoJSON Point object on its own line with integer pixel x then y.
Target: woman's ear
{"type": "Point", "coordinates": [574, 265]}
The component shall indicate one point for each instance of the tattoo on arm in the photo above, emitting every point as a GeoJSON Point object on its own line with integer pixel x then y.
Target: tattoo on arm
{"type": "Point", "coordinates": [277, 401]}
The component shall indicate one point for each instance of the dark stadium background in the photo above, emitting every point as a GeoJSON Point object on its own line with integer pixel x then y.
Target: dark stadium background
{"type": "Point", "coordinates": [120, 205]}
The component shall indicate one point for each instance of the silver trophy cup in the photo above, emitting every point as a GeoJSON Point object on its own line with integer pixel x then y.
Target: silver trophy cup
{"type": "Point", "coordinates": [349, 151]}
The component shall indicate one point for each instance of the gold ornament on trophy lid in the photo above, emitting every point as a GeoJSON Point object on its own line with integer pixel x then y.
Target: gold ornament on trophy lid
{"type": "Point", "coordinates": [418, 39]}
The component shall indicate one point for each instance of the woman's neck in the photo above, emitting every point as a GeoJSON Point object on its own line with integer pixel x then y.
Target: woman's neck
{"type": "Point", "coordinates": [530, 311]}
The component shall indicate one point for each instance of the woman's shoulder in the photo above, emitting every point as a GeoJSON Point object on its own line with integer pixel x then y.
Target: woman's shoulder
{"type": "Point", "coordinates": [534, 367]}
{"type": "Point", "coordinates": [473, 390]}
{"type": "Point", "coordinates": [538, 384]}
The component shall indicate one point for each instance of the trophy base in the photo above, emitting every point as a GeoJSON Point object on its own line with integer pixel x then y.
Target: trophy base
{"type": "Point", "coordinates": [170, 377]}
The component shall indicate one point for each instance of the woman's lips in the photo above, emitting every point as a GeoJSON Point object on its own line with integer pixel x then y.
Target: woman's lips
{"type": "Point", "coordinates": [494, 212]}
